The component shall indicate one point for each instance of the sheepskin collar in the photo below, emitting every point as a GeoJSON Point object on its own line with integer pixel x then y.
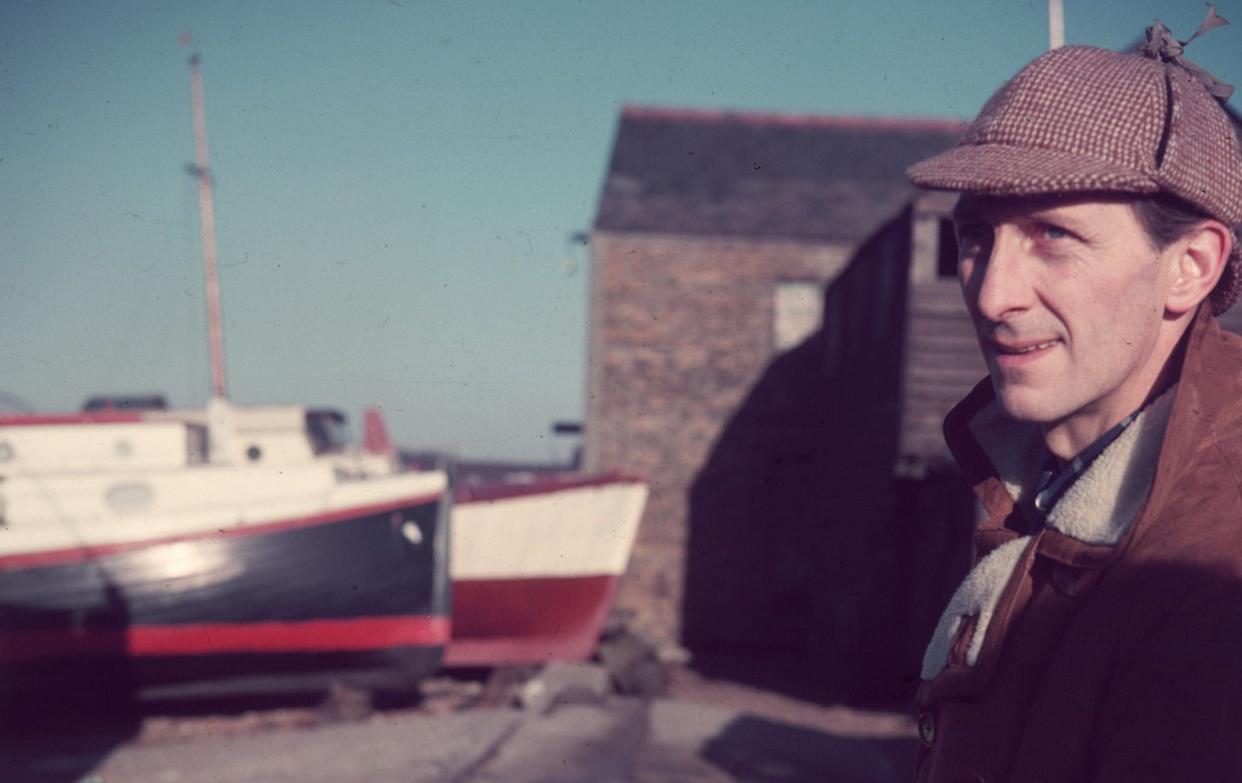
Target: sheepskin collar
{"type": "Point", "coordinates": [1097, 509]}
{"type": "Point", "coordinates": [1100, 505]}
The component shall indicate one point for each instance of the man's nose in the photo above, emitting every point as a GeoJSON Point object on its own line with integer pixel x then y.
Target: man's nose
{"type": "Point", "coordinates": [1000, 285]}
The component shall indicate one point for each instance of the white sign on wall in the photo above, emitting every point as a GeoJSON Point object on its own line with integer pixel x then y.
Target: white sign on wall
{"type": "Point", "coordinates": [797, 311]}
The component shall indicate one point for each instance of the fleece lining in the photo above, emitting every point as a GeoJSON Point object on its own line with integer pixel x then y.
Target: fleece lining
{"type": "Point", "coordinates": [976, 596]}
{"type": "Point", "coordinates": [1097, 509]}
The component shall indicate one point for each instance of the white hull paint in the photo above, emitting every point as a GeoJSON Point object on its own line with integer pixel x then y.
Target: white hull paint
{"type": "Point", "coordinates": [561, 532]}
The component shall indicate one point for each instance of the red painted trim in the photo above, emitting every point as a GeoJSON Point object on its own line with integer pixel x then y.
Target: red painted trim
{"type": "Point", "coordinates": [508, 621]}
{"type": "Point", "coordinates": [717, 116]}
{"type": "Point", "coordinates": [542, 486]}
{"type": "Point", "coordinates": [96, 417]}
{"type": "Point", "coordinates": [352, 635]}
{"type": "Point", "coordinates": [82, 554]}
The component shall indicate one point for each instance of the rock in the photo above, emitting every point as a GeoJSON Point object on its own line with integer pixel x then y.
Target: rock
{"type": "Point", "coordinates": [633, 663]}
{"type": "Point", "coordinates": [344, 702]}
{"type": "Point", "coordinates": [563, 682]}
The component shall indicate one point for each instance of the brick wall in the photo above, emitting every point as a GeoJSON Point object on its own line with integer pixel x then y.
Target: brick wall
{"type": "Point", "coordinates": [681, 329]}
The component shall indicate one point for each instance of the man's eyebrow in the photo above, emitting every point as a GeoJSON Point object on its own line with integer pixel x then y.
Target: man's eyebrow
{"type": "Point", "coordinates": [1056, 214]}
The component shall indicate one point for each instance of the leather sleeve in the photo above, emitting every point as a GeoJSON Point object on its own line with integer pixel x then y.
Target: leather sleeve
{"type": "Point", "coordinates": [1174, 707]}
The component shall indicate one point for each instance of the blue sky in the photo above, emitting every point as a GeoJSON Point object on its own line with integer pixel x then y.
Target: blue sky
{"type": "Point", "coordinates": [397, 181]}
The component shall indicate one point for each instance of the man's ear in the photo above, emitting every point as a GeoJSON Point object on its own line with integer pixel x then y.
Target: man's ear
{"type": "Point", "coordinates": [1199, 260]}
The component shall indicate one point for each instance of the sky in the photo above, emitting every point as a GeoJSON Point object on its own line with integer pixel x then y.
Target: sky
{"type": "Point", "coordinates": [397, 183]}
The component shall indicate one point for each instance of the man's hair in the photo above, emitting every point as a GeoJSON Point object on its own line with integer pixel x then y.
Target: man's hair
{"type": "Point", "coordinates": [1165, 218]}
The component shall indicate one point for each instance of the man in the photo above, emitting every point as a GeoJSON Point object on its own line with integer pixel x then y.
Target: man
{"type": "Point", "coordinates": [1099, 635]}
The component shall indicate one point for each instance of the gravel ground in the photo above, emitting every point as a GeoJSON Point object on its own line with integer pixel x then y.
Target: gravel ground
{"type": "Point", "coordinates": [703, 730]}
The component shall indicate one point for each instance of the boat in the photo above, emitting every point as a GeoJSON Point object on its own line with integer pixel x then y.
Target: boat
{"type": "Point", "coordinates": [221, 546]}
{"type": "Point", "coordinates": [535, 565]}
{"type": "Point", "coordinates": [124, 541]}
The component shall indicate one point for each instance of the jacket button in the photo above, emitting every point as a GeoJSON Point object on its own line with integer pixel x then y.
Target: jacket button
{"type": "Point", "coordinates": [927, 729]}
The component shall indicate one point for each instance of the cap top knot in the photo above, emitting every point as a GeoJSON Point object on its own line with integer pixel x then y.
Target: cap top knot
{"type": "Point", "coordinates": [1161, 45]}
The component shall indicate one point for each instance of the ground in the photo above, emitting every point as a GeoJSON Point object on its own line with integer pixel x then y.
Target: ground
{"type": "Point", "coordinates": [466, 729]}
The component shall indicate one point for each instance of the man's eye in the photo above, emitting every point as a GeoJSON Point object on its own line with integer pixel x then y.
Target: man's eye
{"type": "Point", "coordinates": [1049, 231]}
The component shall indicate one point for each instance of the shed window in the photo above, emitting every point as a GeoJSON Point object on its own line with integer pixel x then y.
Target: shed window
{"type": "Point", "coordinates": [797, 311]}
{"type": "Point", "coordinates": [946, 255]}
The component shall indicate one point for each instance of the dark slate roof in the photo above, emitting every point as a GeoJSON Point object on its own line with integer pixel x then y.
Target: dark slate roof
{"type": "Point", "coordinates": [762, 175]}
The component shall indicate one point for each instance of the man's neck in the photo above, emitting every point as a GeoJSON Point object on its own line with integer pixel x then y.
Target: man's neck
{"type": "Point", "coordinates": [1068, 438]}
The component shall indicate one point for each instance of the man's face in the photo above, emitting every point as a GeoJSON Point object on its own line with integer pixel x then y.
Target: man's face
{"type": "Point", "coordinates": [1067, 297]}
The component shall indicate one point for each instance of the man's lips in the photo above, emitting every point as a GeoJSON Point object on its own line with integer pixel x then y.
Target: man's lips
{"type": "Point", "coordinates": [1023, 347]}
{"type": "Point", "coordinates": [1012, 353]}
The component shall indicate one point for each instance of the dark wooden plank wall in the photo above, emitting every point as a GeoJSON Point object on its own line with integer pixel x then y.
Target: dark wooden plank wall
{"type": "Point", "coordinates": [942, 365]}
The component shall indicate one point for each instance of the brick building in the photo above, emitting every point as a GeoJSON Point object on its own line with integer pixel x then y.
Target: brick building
{"type": "Point", "coordinates": [716, 238]}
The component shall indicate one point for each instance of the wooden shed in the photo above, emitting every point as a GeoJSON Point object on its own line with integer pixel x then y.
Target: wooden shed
{"type": "Point", "coordinates": [716, 239]}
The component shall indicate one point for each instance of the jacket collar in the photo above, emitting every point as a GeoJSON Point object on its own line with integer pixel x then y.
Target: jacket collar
{"type": "Point", "coordinates": [1160, 445]}
{"type": "Point", "coordinates": [1097, 509]}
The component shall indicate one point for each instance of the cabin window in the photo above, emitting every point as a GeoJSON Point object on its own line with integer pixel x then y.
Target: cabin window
{"type": "Point", "coordinates": [797, 311]}
{"type": "Point", "coordinates": [946, 254]}
{"type": "Point", "coordinates": [327, 431]}
{"type": "Point", "coordinates": [196, 444]}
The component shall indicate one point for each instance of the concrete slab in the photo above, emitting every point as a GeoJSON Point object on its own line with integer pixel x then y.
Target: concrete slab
{"type": "Point", "coordinates": [574, 744]}
{"type": "Point", "coordinates": [712, 744]}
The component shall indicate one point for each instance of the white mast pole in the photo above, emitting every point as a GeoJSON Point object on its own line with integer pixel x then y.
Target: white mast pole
{"type": "Point", "coordinates": [1056, 25]}
{"type": "Point", "coordinates": [215, 334]}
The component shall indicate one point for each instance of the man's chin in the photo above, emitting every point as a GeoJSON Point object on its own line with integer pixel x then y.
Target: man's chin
{"type": "Point", "coordinates": [1025, 406]}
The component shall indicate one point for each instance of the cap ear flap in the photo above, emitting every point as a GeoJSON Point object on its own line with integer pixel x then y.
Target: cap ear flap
{"type": "Point", "coordinates": [1205, 174]}
{"type": "Point", "coordinates": [1198, 260]}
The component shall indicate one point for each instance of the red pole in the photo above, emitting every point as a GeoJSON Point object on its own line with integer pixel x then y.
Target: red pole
{"type": "Point", "coordinates": [215, 334]}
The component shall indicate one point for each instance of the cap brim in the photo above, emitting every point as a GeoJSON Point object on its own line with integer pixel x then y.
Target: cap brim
{"type": "Point", "coordinates": [1024, 171]}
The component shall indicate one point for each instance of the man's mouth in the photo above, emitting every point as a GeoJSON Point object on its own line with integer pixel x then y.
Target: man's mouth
{"type": "Point", "coordinates": [1016, 355]}
{"type": "Point", "coordinates": [1023, 348]}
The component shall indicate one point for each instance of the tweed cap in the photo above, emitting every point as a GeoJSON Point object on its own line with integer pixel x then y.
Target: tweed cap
{"type": "Point", "coordinates": [1083, 119]}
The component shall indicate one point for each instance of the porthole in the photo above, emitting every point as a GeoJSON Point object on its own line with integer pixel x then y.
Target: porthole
{"type": "Point", "coordinates": [254, 453]}
{"type": "Point", "coordinates": [6, 451]}
{"type": "Point", "coordinates": [412, 532]}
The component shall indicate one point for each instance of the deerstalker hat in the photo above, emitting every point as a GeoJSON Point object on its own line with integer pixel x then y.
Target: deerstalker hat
{"type": "Point", "coordinates": [1083, 119]}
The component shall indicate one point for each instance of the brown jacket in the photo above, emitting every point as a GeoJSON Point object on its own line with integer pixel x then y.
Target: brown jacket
{"type": "Point", "coordinates": [1114, 655]}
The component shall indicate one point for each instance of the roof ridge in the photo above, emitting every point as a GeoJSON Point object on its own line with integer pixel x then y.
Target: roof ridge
{"type": "Point", "coordinates": [768, 119]}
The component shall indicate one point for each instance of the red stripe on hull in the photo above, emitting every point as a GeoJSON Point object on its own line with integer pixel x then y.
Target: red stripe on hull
{"type": "Point", "coordinates": [508, 621]}
{"type": "Point", "coordinates": [82, 554]}
{"type": "Point", "coordinates": [355, 635]}
{"type": "Point", "coordinates": [46, 419]}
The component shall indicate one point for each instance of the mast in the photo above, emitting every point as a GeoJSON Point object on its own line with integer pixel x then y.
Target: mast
{"type": "Point", "coordinates": [215, 334]}
{"type": "Point", "coordinates": [1056, 25]}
